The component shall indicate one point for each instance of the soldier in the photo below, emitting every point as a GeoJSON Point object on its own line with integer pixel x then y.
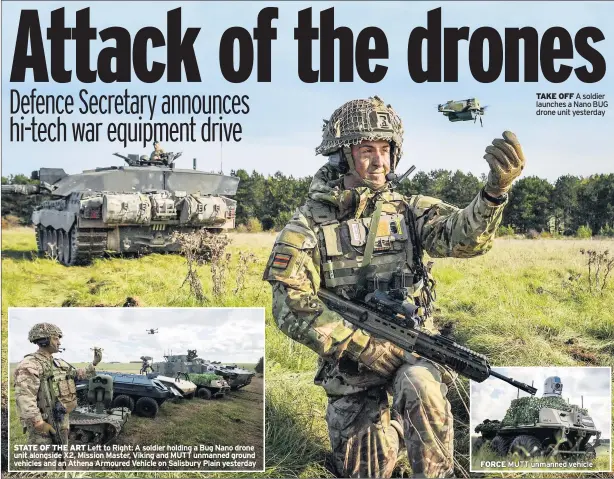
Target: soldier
{"type": "Point", "coordinates": [328, 243]}
{"type": "Point", "coordinates": [39, 370]}
{"type": "Point", "coordinates": [158, 151]}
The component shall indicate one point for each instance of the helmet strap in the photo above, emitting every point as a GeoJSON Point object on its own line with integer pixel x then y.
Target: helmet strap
{"type": "Point", "coordinates": [346, 151]}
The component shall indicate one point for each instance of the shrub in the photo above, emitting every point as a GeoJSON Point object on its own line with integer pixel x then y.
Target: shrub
{"type": "Point", "coordinates": [10, 221]}
{"type": "Point", "coordinates": [532, 234]}
{"type": "Point", "coordinates": [254, 225]}
{"type": "Point", "coordinates": [545, 234]}
{"type": "Point", "coordinates": [584, 232]}
{"type": "Point", "coordinates": [505, 231]}
{"type": "Point", "coordinates": [606, 230]}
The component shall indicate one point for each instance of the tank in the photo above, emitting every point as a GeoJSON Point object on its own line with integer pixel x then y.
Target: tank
{"type": "Point", "coordinates": [194, 369]}
{"type": "Point", "coordinates": [541, 427]}
{"type": "Point", "coordinates": [94, 420]}
{"type": "Point", "coordinates": [134, 208]}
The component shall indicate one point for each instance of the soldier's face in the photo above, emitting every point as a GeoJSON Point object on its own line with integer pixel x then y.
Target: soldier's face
{"type": "Point", "coordinates": [54, 344]}
{"type": "Point", "coordinates": [372, 161]}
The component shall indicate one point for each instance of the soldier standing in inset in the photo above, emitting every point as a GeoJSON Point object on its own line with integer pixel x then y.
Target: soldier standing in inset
{"type": "Point", "coordinates": [39, 370]}
{"type": "Point", "coordinates": [356, 235]}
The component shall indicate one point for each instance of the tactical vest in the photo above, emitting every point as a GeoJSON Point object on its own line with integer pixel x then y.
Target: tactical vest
{"type": "Point", "coordinates": [375, 252]}
{"type": "Point", "coordinates": [60, 376]}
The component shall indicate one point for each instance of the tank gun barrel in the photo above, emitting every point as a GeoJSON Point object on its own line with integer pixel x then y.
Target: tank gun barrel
{"type": "Point", "coordinates": [525, 387]}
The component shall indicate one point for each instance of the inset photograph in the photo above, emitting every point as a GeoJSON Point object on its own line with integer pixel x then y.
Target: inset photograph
{"type": "Point", "coordinates": [566, 426]}
{"type": "Point", "coordinates": [136, 389]}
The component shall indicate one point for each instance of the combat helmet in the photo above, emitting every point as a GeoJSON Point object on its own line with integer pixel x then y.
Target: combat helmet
{"type": "Point", "coordinates": [43, 331]}
{"type": "Point", "coordinates": [359, 120]}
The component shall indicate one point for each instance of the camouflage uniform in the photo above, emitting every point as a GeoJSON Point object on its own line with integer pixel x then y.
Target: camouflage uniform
{"type": "Point", "coordinates": [314, 251]}
{"type": "Point", "coordinates": [30, 372]}
{"type": "Point", "coordinates": [155, 154]}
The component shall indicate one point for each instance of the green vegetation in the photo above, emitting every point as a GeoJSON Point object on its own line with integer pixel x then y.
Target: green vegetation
{"type": "Point", "coordinates": [534, 204]}
{"type": "Point", "coordinates": [525, 303]}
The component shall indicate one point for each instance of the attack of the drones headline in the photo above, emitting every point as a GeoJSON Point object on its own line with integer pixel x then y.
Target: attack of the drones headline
{"type": "Point", "coordinates": [367, 54]}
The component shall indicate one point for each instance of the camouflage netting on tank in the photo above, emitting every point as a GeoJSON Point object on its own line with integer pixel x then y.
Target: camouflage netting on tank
{"type": "Point", "coordinates": [526, 410]}
{"type": "Point", "coordinates": [205, 378]}
{"type": "Point", "coordinates": [488, 428]}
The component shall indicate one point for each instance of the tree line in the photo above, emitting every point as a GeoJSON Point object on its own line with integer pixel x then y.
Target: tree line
{"type": "Point", "coordinates": [535, 204]}
{"type": "Point", "coordinates": [563, 207]}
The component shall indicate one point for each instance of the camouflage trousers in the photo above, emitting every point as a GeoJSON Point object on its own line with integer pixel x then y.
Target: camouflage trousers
{"type": "Point", "coordinates": [38, 438]}
{"type": "Point", "coordinates": [366, 441]}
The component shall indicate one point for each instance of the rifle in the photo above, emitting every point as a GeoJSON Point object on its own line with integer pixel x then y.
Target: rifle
{"type": "Point", "coordinates": [395, 325]}
{"type": "Point", "coordinates": [56, 413]}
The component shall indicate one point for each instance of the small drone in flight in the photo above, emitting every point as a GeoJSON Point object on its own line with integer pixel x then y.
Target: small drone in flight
{"type": "Point", "coordinates": [152, 331]}
{"type": "Point", "coordinates": [463, 110]}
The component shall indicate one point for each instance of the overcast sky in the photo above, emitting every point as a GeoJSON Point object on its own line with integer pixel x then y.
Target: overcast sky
{"type": "Point", "coordinates": [490, 399]}
{"type": "Point", "coordinates": [284, 125]}
{"type": "Point", "coordinates": [228, 335]}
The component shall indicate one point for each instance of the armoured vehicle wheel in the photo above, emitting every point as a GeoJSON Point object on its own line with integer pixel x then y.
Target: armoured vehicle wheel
{"type": "Point", "coordinates": [124, 401]}
{"type": "Point", "coordinates": [147, 407]}
{"type": "Point", "coordinates": [526, 446]}
{"type": "Point", "coordinates": [204, 393]}
{"type": "Point", "coordinates": [189, 396]}
{"type": "Point", "coordinates": [500, 445]}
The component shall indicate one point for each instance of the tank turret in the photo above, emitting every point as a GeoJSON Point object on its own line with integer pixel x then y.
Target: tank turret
{"type": "Point", "coordinates": [134, 208]}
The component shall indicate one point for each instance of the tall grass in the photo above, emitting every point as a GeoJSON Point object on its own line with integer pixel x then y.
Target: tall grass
{"type": "Point", "coordinates": [516, 304]}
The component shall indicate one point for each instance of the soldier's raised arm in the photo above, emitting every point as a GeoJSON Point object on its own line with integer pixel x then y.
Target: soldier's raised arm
{"type": "Point", "coordinates": [90, 370]}
{"type": "Point", "coordinates": [448, 231]}
{"type": "Point", "coordinates": [293, 270]}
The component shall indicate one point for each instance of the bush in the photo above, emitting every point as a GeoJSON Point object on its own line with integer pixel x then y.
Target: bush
{"type": "Point", "coordinates": [505, 231]}
{"type": "Point", "coordinates": [584, 232]}
{"type": "Point", "coordinates": [254, 225]}
{"type": "Point", "coordinates": [606, 230]}
{"type": "Point", "coordinates": [10, 221]}
{"type": "Point", "coordinates": [268, 223]}
{"type": "Point", "coordinates": [545, 234]}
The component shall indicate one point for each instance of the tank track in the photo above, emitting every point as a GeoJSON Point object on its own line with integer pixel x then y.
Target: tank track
{"type": "Point", "coordinates": [86, 244]}
{"type": "Point", "coordinates": [79, 246]}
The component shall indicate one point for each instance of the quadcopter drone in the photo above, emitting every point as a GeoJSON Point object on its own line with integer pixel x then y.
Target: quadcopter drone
{"type": "Point", "coordinates": [152, 331]}
{"type": "Point", "coordinates": [463, 110]}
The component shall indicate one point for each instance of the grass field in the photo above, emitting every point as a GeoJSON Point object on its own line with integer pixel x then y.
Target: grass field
{"type": "Point", "coordinates": [515, 304]}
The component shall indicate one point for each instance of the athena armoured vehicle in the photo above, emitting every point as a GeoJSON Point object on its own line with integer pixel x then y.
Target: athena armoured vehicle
{"type": "Point", "coordinates": [541, 427]}
{"type": "Point", "coordinates": [192, 368]}
{"type": "Point", "coordinates": [95, 421]}
{"type": "Point", "coordinates": [237, 377]}
{"type": "Point", "coordinates": [133, 208]}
